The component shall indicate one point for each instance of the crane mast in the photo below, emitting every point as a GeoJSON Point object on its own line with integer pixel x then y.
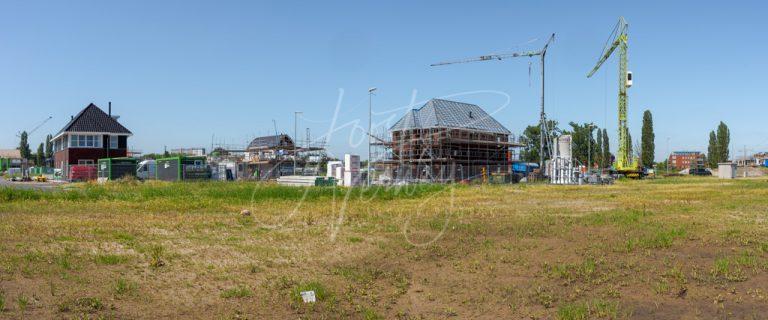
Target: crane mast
{"type": "Point", "coordinates": [543, 132]}
{"type": "Point", "coordinates": [624, 162]}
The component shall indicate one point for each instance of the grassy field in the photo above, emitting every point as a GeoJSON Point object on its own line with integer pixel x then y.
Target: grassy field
{"type": "Point", "coordinates": [677, 248]}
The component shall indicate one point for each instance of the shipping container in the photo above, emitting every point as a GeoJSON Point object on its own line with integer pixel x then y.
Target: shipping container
{"type": "Point", "coordinates": [182, 168]}
{"type": "Point", "coordinates": [117, 168]}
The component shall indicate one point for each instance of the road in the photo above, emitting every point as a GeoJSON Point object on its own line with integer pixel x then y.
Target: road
{"type": "Point", "coordinates": [47, 186]}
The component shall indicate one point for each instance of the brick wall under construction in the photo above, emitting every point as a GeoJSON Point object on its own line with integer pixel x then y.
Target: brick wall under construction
{"type": "Point", "coordinates": [445, 155]}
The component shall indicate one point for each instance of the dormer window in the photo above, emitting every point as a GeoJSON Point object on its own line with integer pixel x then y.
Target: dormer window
{"type": "Point", "coordinates": [470, 115]}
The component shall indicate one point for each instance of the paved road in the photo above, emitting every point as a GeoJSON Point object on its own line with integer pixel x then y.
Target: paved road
{"type": "Point", "coordinates": [48, 186]}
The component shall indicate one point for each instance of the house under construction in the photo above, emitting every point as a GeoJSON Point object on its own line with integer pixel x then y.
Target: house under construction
{"type": "Point", "coordinates": [445, 141]}
{"type": "Point", "coordinates": [270, 157]}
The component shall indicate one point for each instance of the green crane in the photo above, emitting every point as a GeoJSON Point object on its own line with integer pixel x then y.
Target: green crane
{"type": "Point", "coordinates": [625, 164]}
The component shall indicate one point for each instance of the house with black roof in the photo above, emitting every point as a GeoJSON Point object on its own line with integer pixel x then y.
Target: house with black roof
{"type": "Point", "coordinates": [89, 136]}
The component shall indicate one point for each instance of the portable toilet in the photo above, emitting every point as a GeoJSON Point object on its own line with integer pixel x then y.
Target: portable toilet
{"type": "Point", "coordinates": [116, 168]}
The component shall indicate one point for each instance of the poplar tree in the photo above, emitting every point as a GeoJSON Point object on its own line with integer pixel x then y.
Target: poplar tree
{"type": "Point", "coordinates": [712, 154]}
{"type": "Point", "coordinates": [24, 146]}
{"type": "Point", "coordinates": [723, 142]}
{"type": "Point", "coordinates": [647, 144]}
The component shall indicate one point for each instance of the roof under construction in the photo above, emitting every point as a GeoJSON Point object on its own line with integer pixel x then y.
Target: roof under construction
{"type": "Point", "coordinates": [280, 141]}
{"type": "Point", "coordinates": [439, 113]}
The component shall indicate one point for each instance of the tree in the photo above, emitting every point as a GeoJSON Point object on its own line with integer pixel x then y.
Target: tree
{"type": "Point", "coordinates": [599, 149]}
{"type": "Point", "coordinates": [723, 142]}
{"type": "Point", "coordinates": [583, 142]}
{"type": "Point", "coordinates": [531, 140]}
{"type": "Point", "coordinates": [647, 144]}
{"type": "Point", "coordinates": [607, 159]}
{"type": "Point", "coordinates": [49, 147]}
{"type": "Point", "coordinates": [712, 154]}
{"type": "Point", "coordinates": [24, 146]}
{"type": "Point", "coordinates": [40, 156]}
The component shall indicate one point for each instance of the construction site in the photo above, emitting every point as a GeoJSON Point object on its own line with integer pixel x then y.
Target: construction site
{"type": "Point", "coordinates": [516, 183]}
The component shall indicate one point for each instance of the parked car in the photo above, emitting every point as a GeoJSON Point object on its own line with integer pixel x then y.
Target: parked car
{"type": "Point", "coordinates": [699, 172]}
{"type": "Point", "coordinates": [146, 170]}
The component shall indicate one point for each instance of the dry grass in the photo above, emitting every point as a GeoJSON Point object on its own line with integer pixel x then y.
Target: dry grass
{"type": "Point", "coordinates": [674, 248]}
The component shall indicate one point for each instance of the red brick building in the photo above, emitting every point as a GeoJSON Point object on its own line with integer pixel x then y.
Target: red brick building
{"type": "Point", "coordinates": [686, 159]}
{"type": "Point", "coordinates": [89, 136]}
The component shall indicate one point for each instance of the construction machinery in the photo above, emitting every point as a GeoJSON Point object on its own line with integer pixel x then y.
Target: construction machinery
{"type": "Point", "coordinates": [625, 164]}
{"type": "Point", "coordinates": [29, 133]}
{"type": "Point", "coordinates": [544, 132]}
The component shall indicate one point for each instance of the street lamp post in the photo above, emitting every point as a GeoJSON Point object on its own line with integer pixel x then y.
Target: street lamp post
{"type": "Point", "coordinates": [295, 137]}
{"type": "Point", "coordinates": [589, 149]}
{"type": "Point", "coordinates": [370, 116]}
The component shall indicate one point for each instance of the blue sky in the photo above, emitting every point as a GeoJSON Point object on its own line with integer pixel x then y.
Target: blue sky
{"type": "Point", "coordinates": [180, 72]}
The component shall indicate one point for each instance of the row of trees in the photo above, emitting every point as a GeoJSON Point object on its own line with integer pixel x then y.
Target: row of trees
{"type": "Point", "coordinates": [44, 150]}
{"type": "Point", "coordinates": [590, 143]}
{"type": "Point", "coordinates": [584, 143]}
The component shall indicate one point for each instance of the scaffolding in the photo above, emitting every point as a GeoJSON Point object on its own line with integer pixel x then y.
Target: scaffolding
{"type": "Point", "coordinates": [443, 154]}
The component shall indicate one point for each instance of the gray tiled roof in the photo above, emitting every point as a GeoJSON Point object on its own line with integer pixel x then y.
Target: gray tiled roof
{"type": "Point", "coordinates": [269, 142]}
{"type": "Point", "coordinates": [438, 113]}
{"type": "Point", "coordinates": [93, 119]}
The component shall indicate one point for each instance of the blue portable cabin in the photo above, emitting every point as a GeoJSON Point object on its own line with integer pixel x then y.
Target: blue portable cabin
{"type": "Point", "coordinates": [765, 163]}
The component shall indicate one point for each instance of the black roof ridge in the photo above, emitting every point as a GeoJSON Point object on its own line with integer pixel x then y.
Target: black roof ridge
{"type": "Point", "coordinates": [119, 127]}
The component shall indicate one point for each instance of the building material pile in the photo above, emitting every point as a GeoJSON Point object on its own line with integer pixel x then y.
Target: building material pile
{"type": "Point", "coordinates": [306, 181]}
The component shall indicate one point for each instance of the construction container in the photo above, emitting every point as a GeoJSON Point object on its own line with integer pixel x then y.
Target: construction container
{"type": "Point", "coordinates": [524, 167]}
{"type": "Point", "coordinates": [765, 163]}
{"type": "Point", "coordinates": [40, 171]}
{"type": "Point", "coordinates": [182, 168]}
{"type": "Point", "coordinates": [116, 168]}
{"type": "Point", "coordinates": [726, 170]}
{"type": "Point", "coordinates": [7, 163]}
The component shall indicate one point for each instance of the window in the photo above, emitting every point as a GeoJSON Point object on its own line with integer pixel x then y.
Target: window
{"type": "Point", "coordinates": [85, 162]}
{"type": "Point", "coordinates": [113, 142]}
{"type": "Point", "coordinates": [85, 141]}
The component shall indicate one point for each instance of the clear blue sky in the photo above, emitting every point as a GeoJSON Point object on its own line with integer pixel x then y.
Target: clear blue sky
{"type": "Point", "coordinates": [179, 72]}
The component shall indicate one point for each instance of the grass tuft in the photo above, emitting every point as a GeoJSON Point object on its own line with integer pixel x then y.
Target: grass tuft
{"type": "Point", "coordinates": [237, 292]}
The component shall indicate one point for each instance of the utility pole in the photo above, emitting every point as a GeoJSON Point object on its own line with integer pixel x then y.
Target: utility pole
{"type": "Point", "coordinates": [370, 116]}
{"type": "Point", "coordinates": [589, 150]}
{"type": "Point", "coordinates": [668, 155]}
{"type": "Point", "coordinates": [745, 161]}
{"type": "Point", "coordinates": [295, 137]}
{"type": "Point", "coordinates": [542, 118]}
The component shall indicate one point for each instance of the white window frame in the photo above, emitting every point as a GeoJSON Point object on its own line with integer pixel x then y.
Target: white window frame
{"type": "Point", "coordinates": [85, 162]}
{"type": "Point", "coordinates": [85, 141]}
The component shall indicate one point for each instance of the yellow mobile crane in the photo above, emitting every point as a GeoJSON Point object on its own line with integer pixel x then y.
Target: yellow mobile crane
{"type": "Point", "coordinates": [625, 163]}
